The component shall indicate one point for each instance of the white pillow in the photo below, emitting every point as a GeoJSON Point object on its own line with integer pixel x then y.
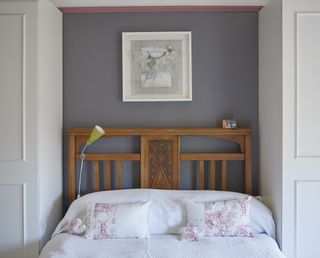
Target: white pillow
{"type": "Point", "coordinates": [167, 212]}
{"type": "Point", "coordinates": [221, 218]}
{"type": "Point", "coordinates": [117, 220]}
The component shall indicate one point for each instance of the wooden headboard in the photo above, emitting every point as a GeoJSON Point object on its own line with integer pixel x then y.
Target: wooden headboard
{"type": "Point", "coordinates": [160, 156]}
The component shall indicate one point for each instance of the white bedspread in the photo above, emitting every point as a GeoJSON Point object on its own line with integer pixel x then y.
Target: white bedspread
{"type": "Point", "coordinates": [162, 246]}
{"type": "Point", "coordinates": [167, 214]}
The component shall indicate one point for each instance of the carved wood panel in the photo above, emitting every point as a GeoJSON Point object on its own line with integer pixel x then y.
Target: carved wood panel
{"type": "Point", "coordinates": [160, 159]}
{"type": "Point", "coordinates": [160, 164]}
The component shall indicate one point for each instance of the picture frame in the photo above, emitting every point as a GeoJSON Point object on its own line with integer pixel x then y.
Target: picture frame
{"type": "Point", "coordinates": [156, 66]}
{"type": "Point", "coordinates": [229, 124]}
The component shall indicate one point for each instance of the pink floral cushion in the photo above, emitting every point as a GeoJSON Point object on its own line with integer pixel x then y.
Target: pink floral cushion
{"type": "Point", "coordinates": [222, 218]}
{"type": "Point", "coordinates": [77, 227]}
{"type": "Point", "coordinates": [117, 220]}
{"type": "Point", "coordinates": [189, 233]}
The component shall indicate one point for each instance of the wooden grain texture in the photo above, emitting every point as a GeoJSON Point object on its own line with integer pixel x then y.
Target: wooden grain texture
{"type": "Point", "coordinates": [72, 168]}
{"type": "Point", "coordinates": [224, 176]}
{"type": "Point", "coordinates": [212, 156]}
{"type": "Point", "coordinates": [144, 163]}
{"type": "Point", "coordinates": [112, 132]}
{"type": "Point", "coordinates": [169, 174]}
{"type": "Point", "coordinates": [119, 174]}
{"type": "Point", "coordinates": [80, 141]}
{"type": "Point", "coordinates": [119, 156]}
{"type": "Point", "coordinates": [108, 175]}
{"type": "Point", "coordinates": [248, 165]}
{"type": "Point", "coordinates": [201, 174]}
{"type": "Point", "coordinates": [162, 162]}
{"type": "Point", "coordinates": [96, 176]}
{"type": "Point", "coordinates": [159, 161]}
{"type": "Point", "coordinates": [177, 178]}
{"type": "Point", "coordinates": [212, 175]}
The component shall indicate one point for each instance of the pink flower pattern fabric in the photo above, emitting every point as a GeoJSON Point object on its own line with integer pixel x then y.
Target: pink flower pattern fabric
{"type": "Point", "coordinates": [189, 233]}
{"type": "Point", "coordinates": [77, 227]}
{"type": "Point", "coordinates": [117, 220]}
{"type": "Point", "coordinates": [103, 223]}
{"type": "Point", "coordinates": [222, 218]}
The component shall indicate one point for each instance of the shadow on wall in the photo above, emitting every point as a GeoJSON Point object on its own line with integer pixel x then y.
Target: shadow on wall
{"type": "Point", "coordinates": [55, 212]}
{"type": "Point", "coordinates": [18, 250]}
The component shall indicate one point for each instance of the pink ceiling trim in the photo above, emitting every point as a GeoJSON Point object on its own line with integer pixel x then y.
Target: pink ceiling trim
{"type": "Point", "coordinates": [159, 9]}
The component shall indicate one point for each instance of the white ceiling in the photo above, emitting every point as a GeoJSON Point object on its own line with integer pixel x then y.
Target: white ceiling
{"type": "Point", "coordinates": [82, 3]}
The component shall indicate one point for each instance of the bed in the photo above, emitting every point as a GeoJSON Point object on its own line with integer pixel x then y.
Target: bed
{"type": "Point", "coordinates": [168, 208]}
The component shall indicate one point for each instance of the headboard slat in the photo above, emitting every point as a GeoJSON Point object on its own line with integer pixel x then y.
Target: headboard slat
{"type": "Point", "coordinates": [212, 156]}
{"type": "Point", "coordinates": [224, 176]}
{"type": "Point", "coordinates": [201, 172]}
{"type": "Point", "coordinates": [119, 173]}
{"type": "Point", "coordinates": [108, 175]}
{"type": "Point", "coordinates": [96, 175]}
{"type": "Point", "coordinates": [212, 174]}
{"type": "Point", "coordinates": [115, 156]}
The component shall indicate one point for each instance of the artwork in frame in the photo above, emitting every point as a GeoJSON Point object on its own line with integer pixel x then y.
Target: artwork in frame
{"type": "Point", "coordinates": [156, 66]}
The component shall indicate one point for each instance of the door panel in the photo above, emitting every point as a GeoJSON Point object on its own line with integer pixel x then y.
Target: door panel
{"type": "Point", "coordinates": [12, 69]}
{"type": "Point", "coordinates": [18, 115]}
{"type": "Point", "coordinates": [12, 220]}
{"type": "Point", "coordinates": [307, 84]}
{"type": "Point", "coordinates": [301, 127]}
{"type": "Point", "coordinates": [308, 222]}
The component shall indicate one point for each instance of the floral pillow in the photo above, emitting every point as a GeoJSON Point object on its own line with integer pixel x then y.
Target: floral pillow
{"type": "Point", "coordinates": [117, 220]}
{"type": "Point", "coordinates": [77, 227]}
{"type": "Point", "coordinates": [189, 233]}
{"type": "Point", "coordinates": [221, 218]}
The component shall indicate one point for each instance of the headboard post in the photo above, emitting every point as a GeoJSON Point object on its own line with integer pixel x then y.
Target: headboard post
{"type": "Point", "coordinates": [248, 164]}
{"type": "Point", "coordinates": [72, 168]}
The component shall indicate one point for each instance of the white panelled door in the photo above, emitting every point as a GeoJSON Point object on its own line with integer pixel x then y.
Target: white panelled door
{"type": "Point", "coordinates": [18, 124]}
{"type": "Point", "coordinates": [301, 128]}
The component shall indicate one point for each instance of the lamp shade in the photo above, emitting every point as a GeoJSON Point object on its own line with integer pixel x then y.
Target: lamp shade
{"type": "Point", "coordinates": [96, 133]}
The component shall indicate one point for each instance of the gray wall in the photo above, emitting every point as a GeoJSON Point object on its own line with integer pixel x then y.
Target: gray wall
{"type": "Point", "coordinates": [225, 79]}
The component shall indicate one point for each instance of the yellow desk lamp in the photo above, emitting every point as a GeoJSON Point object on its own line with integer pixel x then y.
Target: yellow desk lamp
{"type": "Point", "coordinates": [96, 133]}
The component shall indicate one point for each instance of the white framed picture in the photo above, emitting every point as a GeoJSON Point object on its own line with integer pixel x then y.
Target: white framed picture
{"type": "Point", "coordinates": [156, 66]}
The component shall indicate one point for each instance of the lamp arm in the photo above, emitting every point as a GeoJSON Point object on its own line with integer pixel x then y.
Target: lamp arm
{"type": "Point", "coordinates": [83, 149]}
{"type": "Point", "coordinates": [82, 158]}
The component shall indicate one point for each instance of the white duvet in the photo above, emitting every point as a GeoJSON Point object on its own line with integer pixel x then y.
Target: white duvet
{"type": "Point", "coordinates": [162, 246]}
{"type": "Point", "coordinates": [167, 214]}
